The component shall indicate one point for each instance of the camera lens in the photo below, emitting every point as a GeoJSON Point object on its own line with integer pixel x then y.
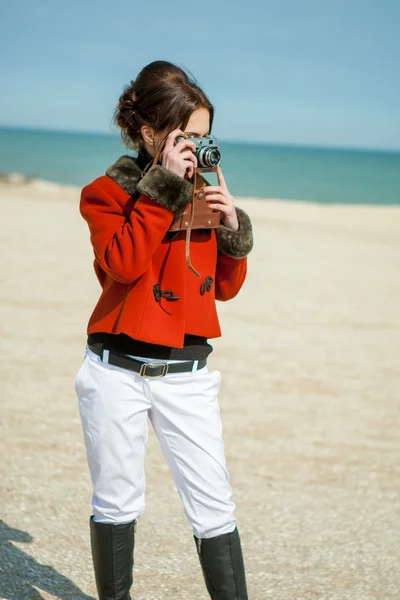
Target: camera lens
{"type": "Point", "coordinates": [209, 157]}
{"type": "Point", "coordinates": [214, 157]}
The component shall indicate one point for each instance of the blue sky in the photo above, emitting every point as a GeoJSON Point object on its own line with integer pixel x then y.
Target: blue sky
{"type": "Point", "coordinates": [296, 72]}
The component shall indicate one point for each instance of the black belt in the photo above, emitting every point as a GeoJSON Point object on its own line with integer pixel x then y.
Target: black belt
{"type": "Point", "coordinates": [143, 368]}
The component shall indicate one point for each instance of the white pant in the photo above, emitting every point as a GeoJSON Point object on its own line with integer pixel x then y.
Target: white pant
{"type": "Point", "coordinates": [183, 408]}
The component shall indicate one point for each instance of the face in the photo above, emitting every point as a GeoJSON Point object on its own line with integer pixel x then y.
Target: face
{"type": "Point", "coordinates": [198, 125]}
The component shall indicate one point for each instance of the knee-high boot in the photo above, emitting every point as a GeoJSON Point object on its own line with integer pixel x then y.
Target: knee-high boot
{"type": "Point", "coordinates": [221, 560]}
{"type": "Point", "coordinates": [112, 551]}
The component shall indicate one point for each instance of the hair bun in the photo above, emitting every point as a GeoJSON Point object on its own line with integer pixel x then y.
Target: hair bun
{"type": "Point", "coordinates": [162, 96]}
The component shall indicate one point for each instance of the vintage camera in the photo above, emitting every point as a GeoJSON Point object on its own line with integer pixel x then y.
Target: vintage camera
{"type": "Point", "coordinates": [207, 150]}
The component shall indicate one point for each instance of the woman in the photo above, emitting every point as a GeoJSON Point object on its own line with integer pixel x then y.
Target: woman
{"type": "Point", "coordinates": [147, 346]}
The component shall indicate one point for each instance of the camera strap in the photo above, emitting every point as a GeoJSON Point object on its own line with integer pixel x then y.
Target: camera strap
{"type": "Point", "coordinates": [189, 230]}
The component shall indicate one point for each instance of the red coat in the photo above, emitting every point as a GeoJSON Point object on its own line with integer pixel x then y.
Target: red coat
{"type": "Point", "coordinates": [136, 262]}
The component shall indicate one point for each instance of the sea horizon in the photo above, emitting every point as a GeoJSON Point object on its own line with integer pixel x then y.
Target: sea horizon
{"type": "Point", "coordinates": [368, 149]}
{"type": "Point", "coordinates": [345, 175]}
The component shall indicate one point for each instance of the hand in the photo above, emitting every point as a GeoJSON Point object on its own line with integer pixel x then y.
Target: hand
{"type": "Point", "coordinates": [175, 158]}
{"type": "Point", "coordinates": [223, 201]}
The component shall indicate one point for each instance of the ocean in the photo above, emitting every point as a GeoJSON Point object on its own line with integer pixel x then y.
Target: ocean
{"type": "Point", "coordinates": [257, 170]}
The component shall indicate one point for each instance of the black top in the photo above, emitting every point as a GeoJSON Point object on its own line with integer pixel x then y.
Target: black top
{"type": "Point", "coordinates": [143, 158]}
{"type": "Point", "coordinates": [194, 347]}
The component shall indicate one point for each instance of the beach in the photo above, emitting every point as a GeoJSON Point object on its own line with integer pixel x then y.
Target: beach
{"type": "Point", "coordinates": [309, 400]}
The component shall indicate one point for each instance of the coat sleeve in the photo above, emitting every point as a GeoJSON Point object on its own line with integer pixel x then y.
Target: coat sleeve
{"type": "Point", "coordinates": [233, 248]}
{"type": "Point", "coordinates": [230, 276]}
{"type": "Point", "coordinates": [125, 246]}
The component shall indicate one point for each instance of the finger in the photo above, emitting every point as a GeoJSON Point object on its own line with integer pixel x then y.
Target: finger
{"type": "Point", "coordinates": [221, 178]}
{"type": "Point", "coordinates": [182, 144]}
{"type": "Point", "coordinates": [218, 197]}
{"type": "Point", "coordinates": [190, 169]}
{"type": "Point", "coordinates": [212, 188]}
{"type": "Point", "coordinates": [171, 139]}
{"type": "Point", "coordinates": [188, 155]}
{"type": "Point", "coordinates": [221, 207]}
{"type": "Point", "coordinates": [188, 162]}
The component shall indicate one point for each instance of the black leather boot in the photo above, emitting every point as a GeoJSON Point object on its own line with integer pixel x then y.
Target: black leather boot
{"type": "Point", "coordinates": [112, 551]}
{"type": "Point", "coordinates": [222, 564]}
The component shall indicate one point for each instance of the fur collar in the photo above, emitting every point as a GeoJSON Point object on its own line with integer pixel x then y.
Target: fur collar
{"type": "Point", "coordinates": [126, 172]}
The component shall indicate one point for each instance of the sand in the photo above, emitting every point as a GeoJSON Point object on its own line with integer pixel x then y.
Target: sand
{"type": "Point", "coordinates": [309, 399]}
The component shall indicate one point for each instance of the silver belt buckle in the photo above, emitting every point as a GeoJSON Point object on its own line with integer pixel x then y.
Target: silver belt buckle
{"type": "Point", "coordinates": [144, 366]}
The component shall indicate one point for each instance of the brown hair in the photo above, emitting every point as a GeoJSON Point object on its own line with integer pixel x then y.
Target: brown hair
{"type": "Point", "coordinates": [163, 97]}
